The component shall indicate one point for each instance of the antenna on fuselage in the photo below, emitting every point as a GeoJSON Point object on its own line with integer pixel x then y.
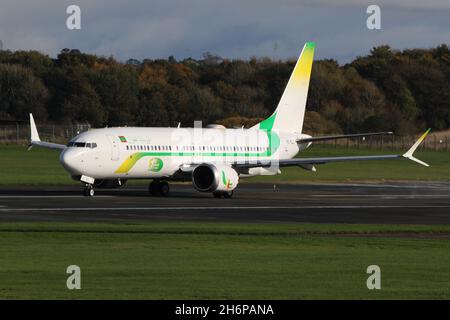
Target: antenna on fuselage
{"type": "Point", "coordinates": [179, 125]}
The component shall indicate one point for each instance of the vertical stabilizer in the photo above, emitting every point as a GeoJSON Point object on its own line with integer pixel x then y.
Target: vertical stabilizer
{"type": "Point", "coordinates": [290, 112]}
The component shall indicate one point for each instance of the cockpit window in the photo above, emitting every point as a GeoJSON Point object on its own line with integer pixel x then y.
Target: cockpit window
{"type": "Point", "coordinates": [91, 145]}
{"type": "Point", "coordinates": [77, 144]}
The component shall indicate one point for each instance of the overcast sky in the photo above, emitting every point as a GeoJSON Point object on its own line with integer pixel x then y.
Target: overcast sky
{"type": "Point", "coordinates": [230, 28]}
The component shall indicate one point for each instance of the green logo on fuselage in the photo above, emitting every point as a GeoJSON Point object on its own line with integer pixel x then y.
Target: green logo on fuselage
{"type": "Point", "coordinates": [155, 164]}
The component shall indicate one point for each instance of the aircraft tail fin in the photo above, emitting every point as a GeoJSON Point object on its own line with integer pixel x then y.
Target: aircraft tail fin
{"type": "Point", "coordinates": [290, 112]}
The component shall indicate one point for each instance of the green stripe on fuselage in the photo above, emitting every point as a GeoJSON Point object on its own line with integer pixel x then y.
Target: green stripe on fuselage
{"type": "Point", "coordinates": [266, 125]}
{"type": "Point", "coordinates": [135, 157]}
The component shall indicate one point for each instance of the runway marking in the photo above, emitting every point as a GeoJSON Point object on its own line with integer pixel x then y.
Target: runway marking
{"type": "Point", "coordinates": [311, 195]}
{"type": "Point", "coordinates": [443, 186]}
{"type": "Point", "coordinates": [48, 197]}
{"type": "Point", "coordinates": [380, 195]}
{"type": "Point", "coordinates": [224, 208]}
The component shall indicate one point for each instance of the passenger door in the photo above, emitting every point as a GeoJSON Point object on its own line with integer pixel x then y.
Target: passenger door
{"type": "Point", "coordinates": [115, 147]}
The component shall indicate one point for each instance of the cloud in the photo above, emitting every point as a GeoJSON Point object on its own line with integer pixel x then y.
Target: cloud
{"type": "Point", "coordinates": [406, 4]}
{"type": "Point", "coordinates": [231, 28]}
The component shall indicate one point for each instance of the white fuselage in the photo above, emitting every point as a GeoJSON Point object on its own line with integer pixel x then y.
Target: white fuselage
{"type": "Point", "coordinates": [132, 152]}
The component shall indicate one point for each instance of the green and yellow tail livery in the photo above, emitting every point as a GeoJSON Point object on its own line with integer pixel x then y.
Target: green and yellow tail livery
{"type": "Point", "coordinates": [290, 112]}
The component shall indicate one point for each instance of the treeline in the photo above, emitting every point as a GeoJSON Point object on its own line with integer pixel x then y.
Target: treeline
{"type": "Point", "coordinates": [405, 91]}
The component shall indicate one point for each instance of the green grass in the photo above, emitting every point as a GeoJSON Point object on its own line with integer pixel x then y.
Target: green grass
{"type": "Point", "coordinates": [224, 261]}
{"type": "Point", "coordinates": [38, 166]}
{"type": "Point", "coordinates": [41, 167]}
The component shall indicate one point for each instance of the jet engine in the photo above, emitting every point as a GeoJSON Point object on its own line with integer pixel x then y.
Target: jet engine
{"type": "Point", "coordinates": [214, 178]}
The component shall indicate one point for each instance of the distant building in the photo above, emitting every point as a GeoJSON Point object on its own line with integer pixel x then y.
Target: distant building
{"type": "Point", "coordinates": [190, 61]}
{"type": "Point", "coordinates": [1, 45]}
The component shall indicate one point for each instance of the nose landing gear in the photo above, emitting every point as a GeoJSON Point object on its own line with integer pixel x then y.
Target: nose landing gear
{"type": "Point", "coordinates": [89, 190]}
{"type": "Point", "coordinates": [89, 185]}
{"type": "Point", "coordinates": [157, 187]}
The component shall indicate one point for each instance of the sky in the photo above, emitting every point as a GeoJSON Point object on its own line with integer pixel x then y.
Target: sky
{"type": "Point", "coordinates": [232, 29]}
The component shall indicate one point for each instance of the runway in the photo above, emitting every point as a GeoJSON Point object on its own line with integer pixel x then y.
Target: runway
{"type": "Point", "coordinates": [422, 203]}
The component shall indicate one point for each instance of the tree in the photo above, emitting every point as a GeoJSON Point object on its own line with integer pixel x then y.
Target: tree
{"type": "Point", "coordinates": [404, 91]}
{"type": "Point", "coordinates": [21, 93]}
{"type": "Point", "coordinates": [118, 89]}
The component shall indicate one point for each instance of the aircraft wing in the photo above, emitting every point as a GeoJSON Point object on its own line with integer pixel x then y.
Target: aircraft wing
{"type": "Point", "coordinates": [335, 137]}
{"type": "Point", "coordinates": [312, 161]}
{"type": "Point", "coordinates": [36, 141]}
{"type": "Point", "coordinates": [48, 145]}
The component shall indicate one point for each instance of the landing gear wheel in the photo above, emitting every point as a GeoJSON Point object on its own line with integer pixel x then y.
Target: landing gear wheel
{"type": "Point", "coordinates": [164, 188]}
{"type": "Point", "coordinates": [153, 188]}
{"type": "Point", "coordinates": [228, 195]}
{"type": "Point", "coordinates": [159, 187]}
{"type": "Point", "coordinates": [89, 191]}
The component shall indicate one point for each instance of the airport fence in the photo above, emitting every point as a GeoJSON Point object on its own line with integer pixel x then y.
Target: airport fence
{"type": "Point", "coordinates": [20, 133]}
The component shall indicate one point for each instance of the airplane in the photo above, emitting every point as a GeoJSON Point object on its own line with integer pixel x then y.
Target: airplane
{"type": "Point", "coordinates": [213, 158]}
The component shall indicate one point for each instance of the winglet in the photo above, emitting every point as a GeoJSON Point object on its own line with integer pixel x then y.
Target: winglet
{"type": "Point", "coordinates": [34, 132]}
{"type": "Point", "coordinates": [409, 154]}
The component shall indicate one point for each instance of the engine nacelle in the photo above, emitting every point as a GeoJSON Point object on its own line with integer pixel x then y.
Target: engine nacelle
{"type": "Point", "coordinates": [214, 177]}
{"type": "Point", "coordinates": [109, 184]}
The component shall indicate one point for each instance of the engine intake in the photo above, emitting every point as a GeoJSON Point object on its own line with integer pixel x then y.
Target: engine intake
{"type": "Point", "coordinates": [212, 177]}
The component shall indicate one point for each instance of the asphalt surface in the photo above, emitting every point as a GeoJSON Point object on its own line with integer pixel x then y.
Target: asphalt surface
{"type": "Point", "coordinates": [424, 203]}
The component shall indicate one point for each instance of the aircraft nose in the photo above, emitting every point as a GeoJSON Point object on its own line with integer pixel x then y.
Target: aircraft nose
{"type": "Point", "coordinates": [70, 159]}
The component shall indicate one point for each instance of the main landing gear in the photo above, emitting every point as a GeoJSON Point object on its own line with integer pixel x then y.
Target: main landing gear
{"type": "Point", "coordinates": [157, 187]}
{"type": "Point", "coordinates": [226, 194]}
{"type": "Point", "coordinates": [89, 190]}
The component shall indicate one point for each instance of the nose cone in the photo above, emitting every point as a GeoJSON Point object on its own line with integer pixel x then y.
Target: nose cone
{"type": "Point", "coordinates": [72, 161]}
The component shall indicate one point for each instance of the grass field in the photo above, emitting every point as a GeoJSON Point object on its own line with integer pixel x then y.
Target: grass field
{"type": "Point", "coordinates": [224, 261]}
{"type": "Point", "coordinates": [40, 166]}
